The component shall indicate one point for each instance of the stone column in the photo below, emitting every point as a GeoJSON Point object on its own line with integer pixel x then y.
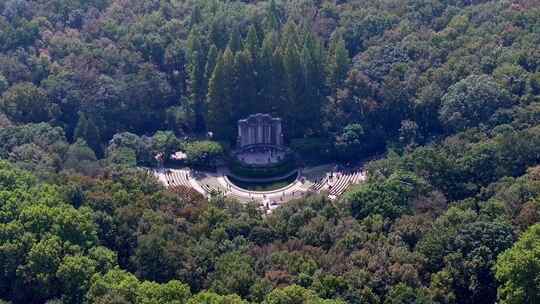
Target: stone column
{"type": "Point", "coordinates": [278, 133]}
{"type": "Point", "coordinates": [240, 138]}
{"type": "Point", "coordinates": [245, 135]}
{"type": "Point", "coordinates": [259, 133]}
{"type": "Point", "coordinates": [274, 142]}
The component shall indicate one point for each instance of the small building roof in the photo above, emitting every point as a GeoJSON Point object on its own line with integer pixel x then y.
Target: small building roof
{"type": "Point", "coordinates": [178, 155]}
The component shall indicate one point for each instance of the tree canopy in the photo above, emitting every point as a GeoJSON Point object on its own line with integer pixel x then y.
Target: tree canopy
{"type": "Point", "coordinates": [439, 100]}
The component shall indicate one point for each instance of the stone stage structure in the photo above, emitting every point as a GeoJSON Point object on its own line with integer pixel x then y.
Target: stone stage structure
{"type": "Point", "coordinates": [259, 129]}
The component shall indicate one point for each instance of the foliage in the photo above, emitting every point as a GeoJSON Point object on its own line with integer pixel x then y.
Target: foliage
{"type": "Point", "coordinates": [472, 100]}
{"type": "Point", "coordinates": [295, 294]}
{"type": "Point", "coordinates": [203, 153]}
{"type": "Point", "coordinates": [445, 92]}
{"type": "Point", "coordinates": [26, 103]}
{"type": "Point", "coordinates": [389, 198]}
{"type": "Point", "coordinates": [517, 269]}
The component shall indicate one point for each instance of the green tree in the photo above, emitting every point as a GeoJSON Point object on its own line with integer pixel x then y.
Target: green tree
{"type": "Point", "coordinates": [234, 274]}
{"type": "Point", "coordinates": [390, 197]}
{"type": "Point", "coordinates": [208, 297]}
{"type": "Point", "coordinates": [211, 61]}
{"type": "Point", "coordinates": [272, 16]}
{"type": "Point", "coordinates": [39, 271]}
{"type": "Point", "coordinates": [403, 294]}
{"type": "Point", "coordinates": [471, 257]}
{"type": "Point", "coordinates": [165, 142]}
{"type": "Point", "coordinates": [338, 63]}
{"type": "Point", "coordinates": [87, 130]}
{"type": "Point", "coordinates": [235, 40]}
{"type": "Point", "coordinates": [266, 74]}
{"type": "Point", "coordinates": [220, 97]}
{"type": "Point", "coordinates": [472, 101]}
{"type": "Point", "coordinates": [329, 286]}
{"type": "Point", "coordinates": [119, 286]}
{"type": "Point", "coordinates": [518, 270]}
{"type": "Point", "coordinates": [295, 88]}
{"type": "Point", "coordinates": [74, 274]}
{"type": "Point", "coordinates": [203, 153]}
{"type": "Point", "coordinates": [128, 148]}
{"type": "Point", "coordinates": [351, 142]}
{"type": "Point", "coordinates": [116, 284]}
{"type": "Point", "coordinates": [172, 292]}
{"type": "Point", "coordinates": [310, 111]}
{"type": "Point", "coordinates": [245, 95]}
{"type": "Point", "coordinates": [197, 84]}
{"type": "Point", "coordinates": [295, 294]}
{"type": "Point", "coordinates": [81, 158]}
{"type": "Point", "coordinates": [24, 102]}
{"type": "Point", "coordinates": [251, 43]}
{"type": "Point", "coordinates": [158, 256]}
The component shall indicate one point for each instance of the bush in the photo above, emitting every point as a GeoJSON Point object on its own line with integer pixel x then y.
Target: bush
{"type": "Point", "coordinates": [313, 149]}
{"type": "Point", "coordinates": [204, 153]}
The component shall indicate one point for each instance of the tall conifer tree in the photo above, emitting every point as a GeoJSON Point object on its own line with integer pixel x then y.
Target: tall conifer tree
{"type": "Point", "coordinates": [87, 130]}
{"type": "Point", "coordinates": [211, 60]}
{"type": "Point", "coordinates": [338, 62]}
{"type": "Point", "coordinates": [251, 42]}
{"type": "Point", "coordinates": [197, 82]}
{"type": "Point", "coordinates": [272, 21]}
{"type": "Point", "coordinates": [295, 87]}
{"type": "Point", "coordinates": [310, 107]}
{"type": "Point", "coordinates": [219, 101]}
{"type": "Point", "coordinates": [245, 89]}
{"type": "Point", "coordinates": [266, 73]}
{"type": "Point", "coordinates": [235, 40]}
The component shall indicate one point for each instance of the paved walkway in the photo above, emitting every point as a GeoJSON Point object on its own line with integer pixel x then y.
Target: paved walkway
{"type": "Point", "coordinates": [323, 179]}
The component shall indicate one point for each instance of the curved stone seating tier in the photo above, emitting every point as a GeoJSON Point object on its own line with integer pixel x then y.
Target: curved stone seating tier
{"type": "Point", "coordinates": [318, 185]}
{"type": "Point", "coordinates": [177, 177]}
{"type": "Point", "coordinates": [341, 180]}
{"type": "Point", "coordinates": [209, 189]}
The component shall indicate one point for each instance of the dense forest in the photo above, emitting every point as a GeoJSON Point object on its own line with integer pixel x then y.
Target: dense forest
{"type": "Point", "coordinates": [446, 94]}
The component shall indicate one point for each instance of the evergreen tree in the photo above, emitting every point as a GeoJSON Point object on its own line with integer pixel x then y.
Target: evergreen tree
{"type": "Point", "coordinates": [87, 130]}
{"type": "Point", "coordinates": [309, 113]}
{"type": "Point", "coordinates": [235, 42]}
{"type": "Point", "coordinates": [219, 100]}
{"type": "Point", "coordinates": [80, 129]}
{"type": "Point", "coordinates": [196, 16]}
{"type": "Point", "coordinates": [295, 87]}
{"type": "Point", "coordinates": [245, 89]}
{"type": "Point", "coordinates": [93, 138]}
{"type": "Point", "coordinates": [338, 63]}
{"type": "Point", "coordinates": [278, 85]}
{"type": "Point", "coordinates": [265, 73]}
{"type": "Point", "coordinates": [175, 65]}
{"type": "Point", "coordinates": [251, 42]}
{"type": "Point", "coordinates": [216, 34]}
{"type": "Point", "coordinates": [272, 20]}
{"type": "Point", "coordinates": [289, 34]}
{"type": "Point", "coordinates": [211, 60]}
{"type": "Point", "coordinates": [197, 82]}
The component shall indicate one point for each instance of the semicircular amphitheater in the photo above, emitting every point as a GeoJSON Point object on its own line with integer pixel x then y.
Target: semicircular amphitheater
{"type": "Point", "coordinates": [263, 170]}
